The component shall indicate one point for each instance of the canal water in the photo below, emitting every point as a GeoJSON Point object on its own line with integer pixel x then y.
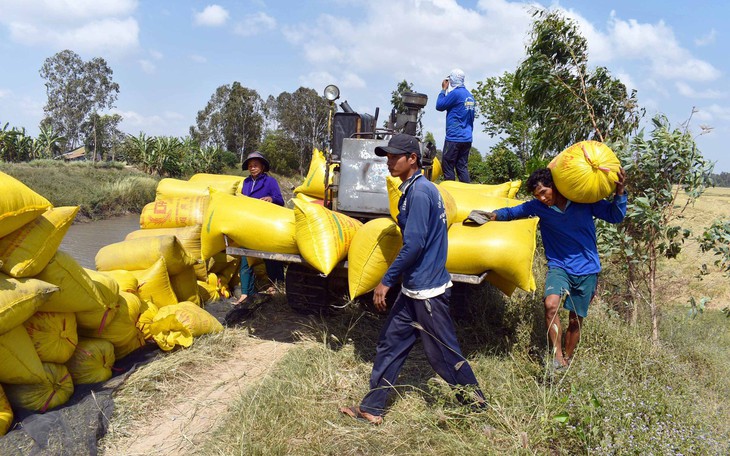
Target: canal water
{"type": "Point", "coordinates": [83, 240]}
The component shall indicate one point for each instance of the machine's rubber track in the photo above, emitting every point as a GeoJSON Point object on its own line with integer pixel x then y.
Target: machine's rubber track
{"type": "Point", "coordinates": [307, 290]}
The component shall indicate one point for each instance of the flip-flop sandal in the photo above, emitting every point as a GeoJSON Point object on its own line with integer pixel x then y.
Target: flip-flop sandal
{"type": "Point", "coordinates": [356, 413]}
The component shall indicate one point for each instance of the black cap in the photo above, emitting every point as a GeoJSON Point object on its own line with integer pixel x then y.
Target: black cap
{"type": "Point", "coordinates": [258, 155]}
{"type": "Point", "coordinates": [400, 144]}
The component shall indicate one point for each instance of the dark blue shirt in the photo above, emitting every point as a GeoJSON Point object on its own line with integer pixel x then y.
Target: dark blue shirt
{"type": "Point", "coordinates": [264, 185]}
{"type": "Point", "coordinates": [421, 262]}
{"type": "Point", "coordinates": [459, 106]}
{"type": "Point", "coordinates": [570, 237]}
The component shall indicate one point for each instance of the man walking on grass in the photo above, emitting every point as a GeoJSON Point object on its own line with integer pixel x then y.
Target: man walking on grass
{"type": "Point", "coordinates": [422, 306]}
{"type": "Point", "coordinates": [569, 235]}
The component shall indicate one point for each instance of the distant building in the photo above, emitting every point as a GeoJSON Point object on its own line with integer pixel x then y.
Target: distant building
{"type": "Point", "coordinates": [78, 154]}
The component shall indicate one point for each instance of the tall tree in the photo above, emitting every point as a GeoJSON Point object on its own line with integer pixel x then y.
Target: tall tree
{"type": "Point", "coordinates": [396, 101]}
{"type": "Point", "coordinates": [76, 90]}
{"type": "Point", "coordinates": [302, 117]}
{"type": "Point", "coordinates": [103, 135]}
{"type": "Point", "coordinates": [232, 120]}
{"type": "Point", "coordinates": [566, 101]}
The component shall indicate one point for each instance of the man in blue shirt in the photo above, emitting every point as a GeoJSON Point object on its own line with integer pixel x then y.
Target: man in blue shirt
{"type": "Point", "coordinates": [422, 307]}
{"type": "Point", "coordinates": [569, 237]}
{"type": "Point", "coordinates": [459, 106]}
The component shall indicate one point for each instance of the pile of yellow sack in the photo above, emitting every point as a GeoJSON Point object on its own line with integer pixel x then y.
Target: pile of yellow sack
{"type": "Point", "coordinates": [179, 210]}
{"type": "Point", "coordinates": [62, 324]}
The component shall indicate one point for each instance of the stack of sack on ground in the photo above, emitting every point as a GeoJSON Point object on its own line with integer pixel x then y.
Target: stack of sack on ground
{"type": "Point", "coordinates": [62, 324]}
{"type": "Point", "coordinates": [179, 209]}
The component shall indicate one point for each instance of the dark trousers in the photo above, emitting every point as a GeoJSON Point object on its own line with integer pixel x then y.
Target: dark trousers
{"type": "Point", "coordinates": [408, 319]}
{"type": "Point", "coordinates": [456, 157]}
{"type": "Point", "coordinates": [274, 269]}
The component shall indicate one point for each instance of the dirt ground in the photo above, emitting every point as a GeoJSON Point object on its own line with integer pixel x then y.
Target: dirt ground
{"type": "Point", "coordinates": [180, 425]}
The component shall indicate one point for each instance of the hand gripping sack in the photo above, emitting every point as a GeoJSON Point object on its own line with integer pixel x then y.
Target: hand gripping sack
{"type": "Point", "coordinates": [323, 236]}
{"type": "Point", "coordinates": [585, 172]}
{"type": "Point", "coordinates": [469, 197]}
{"type": "Point", "coordinates": [372, 250]}
{"type": "Point", "coordinates": [505, 247]}
{"type": "Point", "coordinates": [19, 205]}
{"type": "Point", "coordinates": [27, 250]}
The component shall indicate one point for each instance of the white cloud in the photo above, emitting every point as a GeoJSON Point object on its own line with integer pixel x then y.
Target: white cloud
{"type": "Point", "coordinates": [198, 58]}
{"type": "Point", "coordinates": [157, 55]}
{"type": "Point", "coordinates": [211, 16]}
{"type": "Point", "coordinates": [254, 24]}
{"type": "Point", "coordinates": [4, 93]}
{"type": "Point", "coordinates": [686, 90]}
{"type": "Point", "coordinates": [82, 25]}
{"type": "Point", "coordinates": [63, 11]}
{"type": "Point", "coordinates": [706, 39]}
{"type": "Point", "coordinates": [717, 112]}
{"type": "Point", "coordinates": [147, 66]}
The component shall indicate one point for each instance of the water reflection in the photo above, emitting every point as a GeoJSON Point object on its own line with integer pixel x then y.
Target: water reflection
{"type": "Point", "coordinates": [83, 240]}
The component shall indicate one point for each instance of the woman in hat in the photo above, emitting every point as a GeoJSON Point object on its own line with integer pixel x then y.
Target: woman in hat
{"type": "Point", "coordinates": [259, 185]}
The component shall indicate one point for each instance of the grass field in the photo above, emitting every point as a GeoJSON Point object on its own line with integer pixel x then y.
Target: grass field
{"type": "Point", "coordinates": [621, 395]}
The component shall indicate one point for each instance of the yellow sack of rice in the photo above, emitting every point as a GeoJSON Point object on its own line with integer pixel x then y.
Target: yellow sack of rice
{"type": "Point", "coordinates": [108, 289]}
{"type": "Point", "coordinates": [216, 180]}
{"type": "Point", "coordinates": [502, 190]}
{"type": "Point", "coordinates": [19, 361]}
{"type": "Point", "coordinates": [155, 286]}
{"type": "Point", "coordinates": [372, 250]}
{"type": "Point", "coordinates": [474, 196]}
{"type": "Point", "coordinates": [250, 223]}
{"type": "Point", "coordinates": [323, 236]}
{"type": "Point", "coordinates": [92, 361]}
{"type": "Point", "coordinates": [313, 184]}
{"type": "Point", "coordinates": [126, 280]}
{"type": "Point", "coordinates": [219, 262]}
{"type": "Point", "coordinates": [393, 185]}
{"type": "Point", "coordinates": [27, 250]}
{"type": "Point", "coordinates": [189, 238]}
{"type": "Point", "coordinates": [55, 390]}
{"type": "Point", "coordinates": [514, 188]}
{"type": "Point", "coordinates": [77, 292]}
{"type": "Point", "coordinates": [6, 413]}
{"type": "Point", "coordinates": [469, 198]}
{"type": "Point", "coordinates": [175, 212]}
{"type": "Point", "coordinates": [21, 298]}
{"type": "Point", "coordinates": [178, 324]}
{"type": "Point", "coordinates": [507, 248]}
{"type": "Point", "coordinates": [19, 205]}
{"type": "Point", "coordinates": [436, 170]}
{"type": "Point", "coordinates": [122, 331]}
{"type": "Point", "coordinates": [138, 254]}
{"type": "Point", "coordinates": [53, 334]}
{"type": "Point", "coordinates": [500, 283]}
{"type": "Point", "coordinates": [585, 172]}
{"type": "Point", "coordinates": [174, 188]}
{"type": "Point", "coordinates": [185, 286]}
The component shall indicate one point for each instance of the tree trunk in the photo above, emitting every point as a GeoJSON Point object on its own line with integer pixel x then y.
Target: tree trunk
{"type": "Point", "coordinates": [652, 297]}
{"type": "Point", "coordinates": [633, 290]}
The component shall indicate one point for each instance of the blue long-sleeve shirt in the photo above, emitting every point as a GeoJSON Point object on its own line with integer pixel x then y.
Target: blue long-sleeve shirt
{"type": "Point", "coordinates": [459, 105]}
{"type": "Point", "coordinates": [264, 185]}
{"type": "Point", "coordinates": [421, 262]}
{"type": "Point", "coordinates": [570, 237]}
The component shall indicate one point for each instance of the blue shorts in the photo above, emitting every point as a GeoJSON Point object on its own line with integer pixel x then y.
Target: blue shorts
{"type": "Point", "coordinates": [578, 290]}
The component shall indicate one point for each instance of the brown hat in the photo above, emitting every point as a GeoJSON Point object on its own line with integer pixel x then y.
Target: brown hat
{"type": "Point", "coordinates": [258, 155]}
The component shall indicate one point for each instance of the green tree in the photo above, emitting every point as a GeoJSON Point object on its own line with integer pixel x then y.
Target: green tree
{"type": "Point", "coordinates": [567, 102]}
{"type": "Point", "coordinates": [396, 101]}
{"type": "Point", "coordinates": [505, 115]}
{"type": "Point", "coordinates": [659, 167]}
{"type": "Point", "coordinates": [281, 152]}
{"type": "Point", "coordinates": [302, 117]}
{"type": "Point", "coordinates": [75, 90]}
{"type": "Point", "coordinates": [103, 135]}
{"type": "Point", "coordinates": [232, 120]}
{"type": "Point", "coordinates": [48, 143]}
{"type": "Point", "coordinates": [15, 145]}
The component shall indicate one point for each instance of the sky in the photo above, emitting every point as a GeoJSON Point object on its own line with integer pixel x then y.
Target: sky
{"type": "Point", "coordinates": [169, 56]}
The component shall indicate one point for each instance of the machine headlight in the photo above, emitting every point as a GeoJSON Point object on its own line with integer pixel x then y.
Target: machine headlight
{"type": "Point", "coordinates": [331, 92]}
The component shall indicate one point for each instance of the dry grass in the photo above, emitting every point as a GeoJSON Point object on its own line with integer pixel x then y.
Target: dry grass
{"type": "Point", "coordinates": [678, 278]}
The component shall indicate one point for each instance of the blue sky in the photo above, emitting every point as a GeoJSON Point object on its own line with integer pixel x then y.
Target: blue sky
{"type": "Point", "coordinates": [169, 56]}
